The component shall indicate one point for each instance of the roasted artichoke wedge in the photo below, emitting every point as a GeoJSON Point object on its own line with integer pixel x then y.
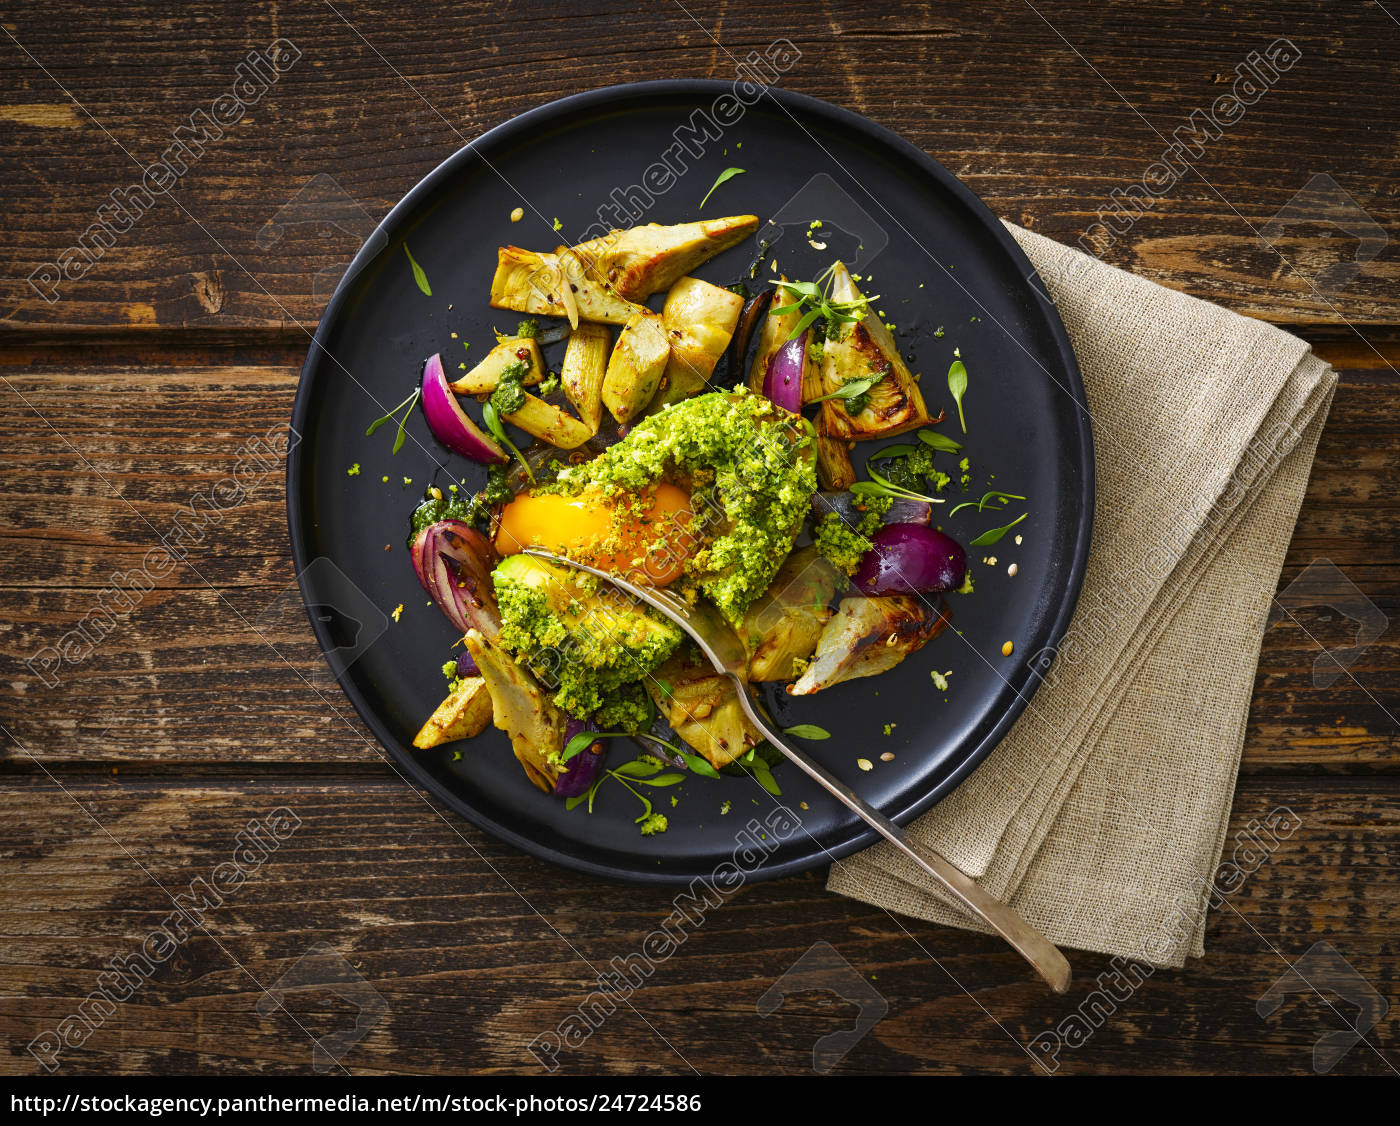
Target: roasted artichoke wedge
{"type": "Point", "coordinates": [870, 635]}
{"type": "Point", "coordinates": [484, 378]}
{"type": "Point", "coordinates": [774, 333]}
{"type": "Point", "coordinates": [699, 320]}
{"type": "Point", "coordinates": [464, 713]}
{"type": "Point", "coordinates": [522, 709]}
{"type": "Point", "coordinates": [585, 362]}
{"type": "Point", "coordinates": [782, 626]}
{"type": "Point", "coordinates": [550, 424]}
{"type": "Point", "coordinates": [635, 368]}
{"type": "Point", "coordinates": [703, 709]}
{"type": "Point", "coordinates": [861, 350]}
{"type": "Point", "coordinates": [644, 260]}
{"type": "Point", "coordinates": [553, 285]}
{"type": "Point", "coordinates": [834, 468]}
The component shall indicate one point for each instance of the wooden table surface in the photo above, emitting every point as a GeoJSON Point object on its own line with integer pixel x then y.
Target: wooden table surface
{"type": "Point", "coordinates": [141, 380]}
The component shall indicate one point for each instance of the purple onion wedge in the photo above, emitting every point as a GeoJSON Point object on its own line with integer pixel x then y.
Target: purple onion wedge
{"type": "Point", "coordinates": [453, 561]}
{"type": "Point", "coordinates": [911, 559]}
{"type": "Point", "coordinates": [449, 422]}
{"type": "Point", "coordinates": [581, 771]}
{"type": "Point", "coordinates": [783, 383]}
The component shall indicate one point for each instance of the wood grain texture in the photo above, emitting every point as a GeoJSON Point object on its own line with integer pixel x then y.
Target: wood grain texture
{"type": "Point", "coordinates": [1044, 122]}
{"type": "Point", "coordinates": [142, 384]}
{"type": "Point", "coordinates": [204, 672]}
{"type": "Point", "coordinates": [473, 967]}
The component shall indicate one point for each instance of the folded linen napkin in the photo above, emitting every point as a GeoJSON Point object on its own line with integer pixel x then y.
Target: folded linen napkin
{"type": "Point", "coordinates": [1102, 815]}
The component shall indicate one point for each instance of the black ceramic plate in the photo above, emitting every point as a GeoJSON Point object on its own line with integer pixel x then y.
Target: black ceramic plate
{"type": "Point", "coordinates": [922, 240]}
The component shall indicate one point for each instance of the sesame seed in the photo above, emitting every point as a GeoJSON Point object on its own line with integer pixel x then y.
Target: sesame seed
{"type": "Point", "coordinates": [888, 756]}
{"type": "Point", "coordinates": [517, 215]}
{"type": "Point", "coordinates": [1012, 569]}
{"type": "Point", "coordinates": [865, 764]}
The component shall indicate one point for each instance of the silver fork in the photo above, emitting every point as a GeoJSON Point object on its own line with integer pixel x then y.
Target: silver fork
{"type": "Point", "coordinates": [723, 649]}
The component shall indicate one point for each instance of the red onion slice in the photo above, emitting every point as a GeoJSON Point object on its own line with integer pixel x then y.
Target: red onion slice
{"type": "Point", "coordinates": [910, 559]}
{"type": "Point", "coordinates": [453, 561]}
{"type": "Point", "coordinates": [783, 383]}
{"type": "Point", "coordinates": [449, 422]}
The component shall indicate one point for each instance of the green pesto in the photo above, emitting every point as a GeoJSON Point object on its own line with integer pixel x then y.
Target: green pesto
{"type": "Point", "coordinates": [752, 469]}
{"type": "Point", "coordinates": [844, 545]}
{"type": "Point", "coordinates": [589, 650]}
{"type": "Point", "coordinates": [509, 395]}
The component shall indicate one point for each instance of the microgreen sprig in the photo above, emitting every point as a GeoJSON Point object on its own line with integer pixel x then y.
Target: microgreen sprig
{"type": "Point", "coordinates": [393, 415]}
{"type": "Point", "coordinates": [881, 486]}
{"type": "Point", "coordinates": [815, 298]}
{"type": "Point", "coordinates": [986, 499]}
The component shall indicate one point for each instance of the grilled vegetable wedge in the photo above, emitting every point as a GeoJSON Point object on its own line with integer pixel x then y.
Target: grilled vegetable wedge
{"type": "Point", "coordinates": [550, 424]}
{"type": "Point", "coordinates": [869, 635]}
{"type": "Point", "coordinates": [635, 368]}
{"type": "Point", "coordinates": [647, 259]}
{"type": "Point", "coordinates": [585, 362]}
{"type": "Point", "coordinates": [521, 708]}
{"type": "Point", "coordinates": [484, 378]}
{"type": "Point", "coordinates": [860, 351]}
{"type": "Point", "coordinates": [552, 285]}
{"type": "Point", "coordinates": [703, 708]}
{"type": "Point", "coordinates": [782, 627]}
{"type": "Point", "coordinates": [465, 713]}
{"type": "Point", "coordinates": [699, 319]}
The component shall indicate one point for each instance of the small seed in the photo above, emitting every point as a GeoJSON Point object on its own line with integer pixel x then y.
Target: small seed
{"type": "Point", "coordinates": [865, 764]}
{"type": "Point", "coordinates": [1012, 569]}
{"type": "Point", "coordinates": [888, 756]}
{"type": "Point", "coordinates": [517, 215]}
{"type": "Point", "coordinates": [1006, 649]}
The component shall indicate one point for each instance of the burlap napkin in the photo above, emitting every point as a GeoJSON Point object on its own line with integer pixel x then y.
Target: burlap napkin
{"type": "Point", "coordinates": [1103, 813]}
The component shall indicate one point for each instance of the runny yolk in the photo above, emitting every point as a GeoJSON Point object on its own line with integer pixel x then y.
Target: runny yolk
{"type": "Point", "coordinates": [648, 545]}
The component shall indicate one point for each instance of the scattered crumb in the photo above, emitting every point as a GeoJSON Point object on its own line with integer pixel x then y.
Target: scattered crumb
{"type": "Point", "coordinates": [353, 471]}
{"type": "Point", "coordinates": [1012, 570]}
{"type": "Point", "coordinates": [517, 215]}
{"type": "Point", "coordinates": [889, 728]}
{"type": "Point", "coordinates": [865, 764]}
{"type": "Point", "coordinates": [1018, 540]}
{"type": "Point", "coordinates": [888, 756]}
{"type": "Point", "coordinates": [725, 808]}
{"type": "Point", "coordinates": [1006, 649]}
{"type": "Point", "coordinates": [407, 481]}
{"type": "Point", "coordinates": [388, 546]}
{"type": "Point", "coordinates": [454, 336]}
{"type": "Point", "coordinates": [384, 479]}
{"type": "Point", "coordinates": [804, 805]}
{"type": "Point", "coordinates": [398, 612]}
{"type": "Point", "coordinates": [675, 801]}
{"type": "Point", "coordinates": [558, 224]}
{"type": "Point", "coordinates": [940, 680]}
{"type": "Point", "coordinates": [773, 265]}
{"type": "Point", "coordinates": [816, 245]}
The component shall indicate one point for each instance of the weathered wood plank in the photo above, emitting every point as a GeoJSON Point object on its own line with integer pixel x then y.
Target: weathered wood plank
{"type": "Point", "coordinates": [472, 968]}
{"type": "Point", "coordinates": [999, 96]}
{"type": "Point", "coordinates": [185, 679]}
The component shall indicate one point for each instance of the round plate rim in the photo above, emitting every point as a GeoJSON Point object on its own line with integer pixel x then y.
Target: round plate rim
{"type": "Point", "coordinates": [792, 102]}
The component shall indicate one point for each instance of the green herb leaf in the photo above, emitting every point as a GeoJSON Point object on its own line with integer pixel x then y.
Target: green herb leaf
{"type": "Point", "coordinates": [418, 275]}
{"type": "Point", "coordinates": [849, 390]}
{"type": "Point", "coordinates": [957, 386]}
{"type": "Point", "coordinates": [986, 539]}
{"type": "Point", "coordinates": [765, 778]}
{"type": "Point", "coordinates": [637, 768]}
{"type": "Point", "coordinates": [902, 449]}
{"type": "Point", "coordinates": [724, 177]}
{"type": "Point", "coordinates": [939, 441]}
{"type": "Point", "coordinates": [663, 780]}
{"type": "Point", "coordinates": [807, 731]}
{"type": "Point", "coordinates": [492, 419]}
{"type": "Point", "coordinates": [578, 744]}
{"type": "Point", "coordinates": [573, 803]}
{"type": "Point", "coordinates": [699, 765]}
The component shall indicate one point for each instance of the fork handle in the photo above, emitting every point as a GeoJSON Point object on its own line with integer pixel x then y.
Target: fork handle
{"type": "Point", "coordinates": [1038, 950]}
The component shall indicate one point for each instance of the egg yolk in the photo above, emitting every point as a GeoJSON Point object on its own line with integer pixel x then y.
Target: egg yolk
{"type": "Point", "coordinates": [641, 536]}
